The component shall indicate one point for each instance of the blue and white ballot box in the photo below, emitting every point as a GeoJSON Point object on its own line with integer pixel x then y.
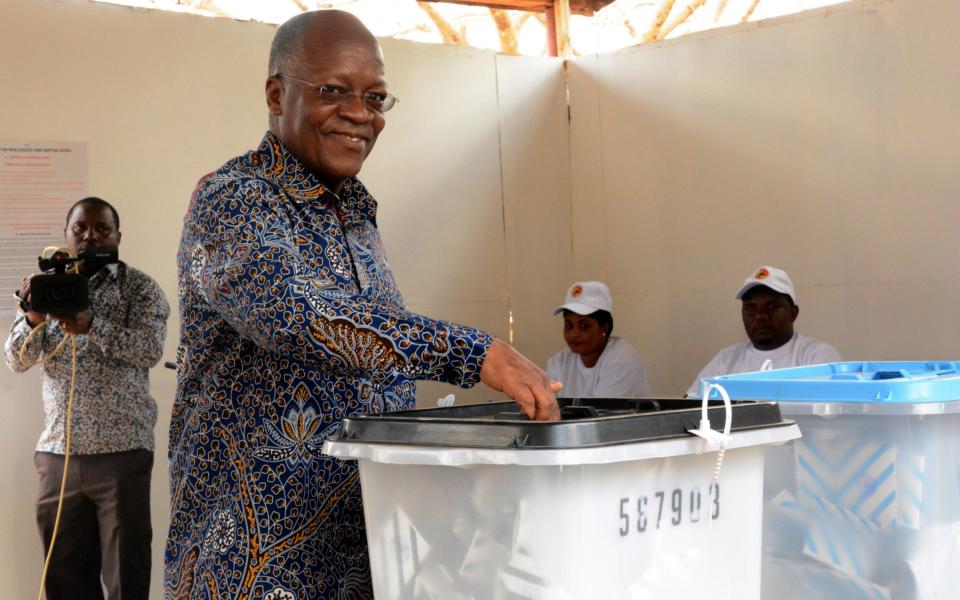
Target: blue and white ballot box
{"type": "Point", "coordinates": [616, 501]}
{"type": "Point", "coordinates": [867, 504]}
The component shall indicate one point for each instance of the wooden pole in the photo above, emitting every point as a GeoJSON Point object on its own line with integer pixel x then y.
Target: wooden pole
{"type": "Point", "coordinates": [749, 13]}
{"type": "Point", "coordinates": [447, 31]}
{"type": "Point", "coordinates": [561, 10]}
{"type": "Point", "coordinates": [551, 17]}
{"type": "Point", "coordinates": [680, 18]}
{"type": "Point", "coordinates": [654, 32]}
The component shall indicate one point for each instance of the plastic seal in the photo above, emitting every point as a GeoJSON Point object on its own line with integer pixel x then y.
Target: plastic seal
{"type": "Point", "coordinates": [708, 433]}
{"type": "Point", "coordinates": [705, 430]}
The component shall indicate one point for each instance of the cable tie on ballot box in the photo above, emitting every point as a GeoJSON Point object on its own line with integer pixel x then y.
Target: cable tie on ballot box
{"type": "Point", "coordinates": [711, 435]}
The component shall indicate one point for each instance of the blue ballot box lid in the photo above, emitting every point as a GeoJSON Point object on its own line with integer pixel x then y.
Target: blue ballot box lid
{"type": "Point", "coordinates": [881, 387]}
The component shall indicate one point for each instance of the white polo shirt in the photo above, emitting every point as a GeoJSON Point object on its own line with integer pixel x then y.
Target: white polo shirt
{"type": "Point", "coordinates": [744, 358]}
{"type": "Point", "coordinates": [619, 373]}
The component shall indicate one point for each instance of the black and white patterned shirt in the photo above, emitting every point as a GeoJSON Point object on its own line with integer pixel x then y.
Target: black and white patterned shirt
{"type": "Point", "coordinates": [112, 407]}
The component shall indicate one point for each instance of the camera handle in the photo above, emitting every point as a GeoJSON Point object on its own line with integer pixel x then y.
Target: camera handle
{"type": "Point", "coordinates": [58, 259]}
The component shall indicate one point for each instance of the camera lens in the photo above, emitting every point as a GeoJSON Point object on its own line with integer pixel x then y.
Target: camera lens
{"type": "Point", "coordinates": [59, 293]}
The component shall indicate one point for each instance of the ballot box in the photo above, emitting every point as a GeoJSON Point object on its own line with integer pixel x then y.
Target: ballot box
{"type": "Point", "coordinates": [619, 500]}
{"type": "Point", "coordinates": [867, 504]}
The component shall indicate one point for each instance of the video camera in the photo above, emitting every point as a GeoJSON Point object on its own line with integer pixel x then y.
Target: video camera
{"type": "Point", "coordinates": [62, 293]}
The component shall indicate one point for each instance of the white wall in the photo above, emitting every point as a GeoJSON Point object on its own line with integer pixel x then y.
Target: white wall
{"type": "Point", "coordinates": [162, 99]}
{"type": "Point", "coordinates": [472, 176]}
{"type": "Point", "coordinates": [824, 143]}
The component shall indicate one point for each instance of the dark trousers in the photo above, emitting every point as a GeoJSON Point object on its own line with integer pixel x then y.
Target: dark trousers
{"type": "Point", "coordinates": [104, 527]}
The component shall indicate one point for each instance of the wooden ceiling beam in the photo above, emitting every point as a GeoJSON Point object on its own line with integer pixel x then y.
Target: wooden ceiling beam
{"type": "Point", "coordinates": [577, 7]}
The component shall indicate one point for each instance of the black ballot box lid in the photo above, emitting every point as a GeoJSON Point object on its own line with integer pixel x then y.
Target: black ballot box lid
{"type": "Point", "coordinates": [585, 423]}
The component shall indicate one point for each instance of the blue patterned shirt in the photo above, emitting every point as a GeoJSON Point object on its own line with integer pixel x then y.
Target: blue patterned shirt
{"type": "Point", "coordinates": [290, 321]}
{"type": "Point", "coordinates": [112, 407]}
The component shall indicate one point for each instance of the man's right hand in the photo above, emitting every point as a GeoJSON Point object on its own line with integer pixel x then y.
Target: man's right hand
{"type": "Point", "coordinates": [506, 370]}
{"type": "Point", "coordinates": [33, 318]}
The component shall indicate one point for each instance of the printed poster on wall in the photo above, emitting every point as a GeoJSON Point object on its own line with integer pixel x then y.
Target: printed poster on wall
{"type": "Point", "coordinates": [39, 181]}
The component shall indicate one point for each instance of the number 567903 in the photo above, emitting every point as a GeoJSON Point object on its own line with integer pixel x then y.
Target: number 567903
{"type": "Point", "coordinates": [668, 508]}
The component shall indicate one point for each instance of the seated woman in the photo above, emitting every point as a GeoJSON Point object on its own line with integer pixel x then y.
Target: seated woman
{"type": "Point", "coordinates": [595, 365]}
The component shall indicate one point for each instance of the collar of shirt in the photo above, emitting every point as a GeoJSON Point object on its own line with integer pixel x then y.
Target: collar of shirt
{"type": "Point", "coordinates": [354, 204]}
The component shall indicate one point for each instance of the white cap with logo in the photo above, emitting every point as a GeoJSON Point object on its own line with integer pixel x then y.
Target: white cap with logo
{"type": "Point", "coordinates": [587, 297]}
{"type": "Point", "coordinates": [771, 277]}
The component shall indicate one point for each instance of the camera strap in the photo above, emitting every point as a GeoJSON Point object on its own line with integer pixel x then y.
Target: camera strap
{"type": "Point", "coordinates": [122, 278]}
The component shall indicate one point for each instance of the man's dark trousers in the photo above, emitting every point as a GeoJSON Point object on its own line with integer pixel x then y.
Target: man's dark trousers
{"type": "Point", "coordinates": [104, 527]}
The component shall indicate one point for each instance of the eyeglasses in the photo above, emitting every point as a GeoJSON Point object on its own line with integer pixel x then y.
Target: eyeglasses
{"type": "Point", "coordinates": [335, 94]}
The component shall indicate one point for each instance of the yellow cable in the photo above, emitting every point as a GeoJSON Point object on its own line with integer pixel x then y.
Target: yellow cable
{"type": "Point", "coordinates": [69, 430]}
{"type": "Point", "coordinates": [33, 332]}
{"type": "Point", "coordinates": [66, 453]}
{"type": "Point", "coordinates": [72, 268]}
{"type": "Point", "coordinates": [26, 342]}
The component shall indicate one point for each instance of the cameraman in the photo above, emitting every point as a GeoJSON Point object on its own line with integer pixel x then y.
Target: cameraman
{"type": "Point", "coordinates": [105, 525]}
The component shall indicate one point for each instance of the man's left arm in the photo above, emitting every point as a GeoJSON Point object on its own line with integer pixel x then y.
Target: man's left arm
{"type": "Point", "coordinates": [137, 336]}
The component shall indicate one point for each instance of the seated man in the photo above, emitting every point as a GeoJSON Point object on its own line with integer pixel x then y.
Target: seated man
{"type": "Point", "coordinates": [769, 310]}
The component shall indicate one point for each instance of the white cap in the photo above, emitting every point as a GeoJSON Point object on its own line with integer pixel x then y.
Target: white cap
{"type": "Point", "coordinates": [586, 298]}
{"type": "Point", "coordinates": [771, 277]}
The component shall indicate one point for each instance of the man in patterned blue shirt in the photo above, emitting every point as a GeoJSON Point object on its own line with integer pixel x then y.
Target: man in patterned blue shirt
{"type": "Point", "coordinates": [105, 525]}
{"type": "Point", "coordinates": [290, 321]}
